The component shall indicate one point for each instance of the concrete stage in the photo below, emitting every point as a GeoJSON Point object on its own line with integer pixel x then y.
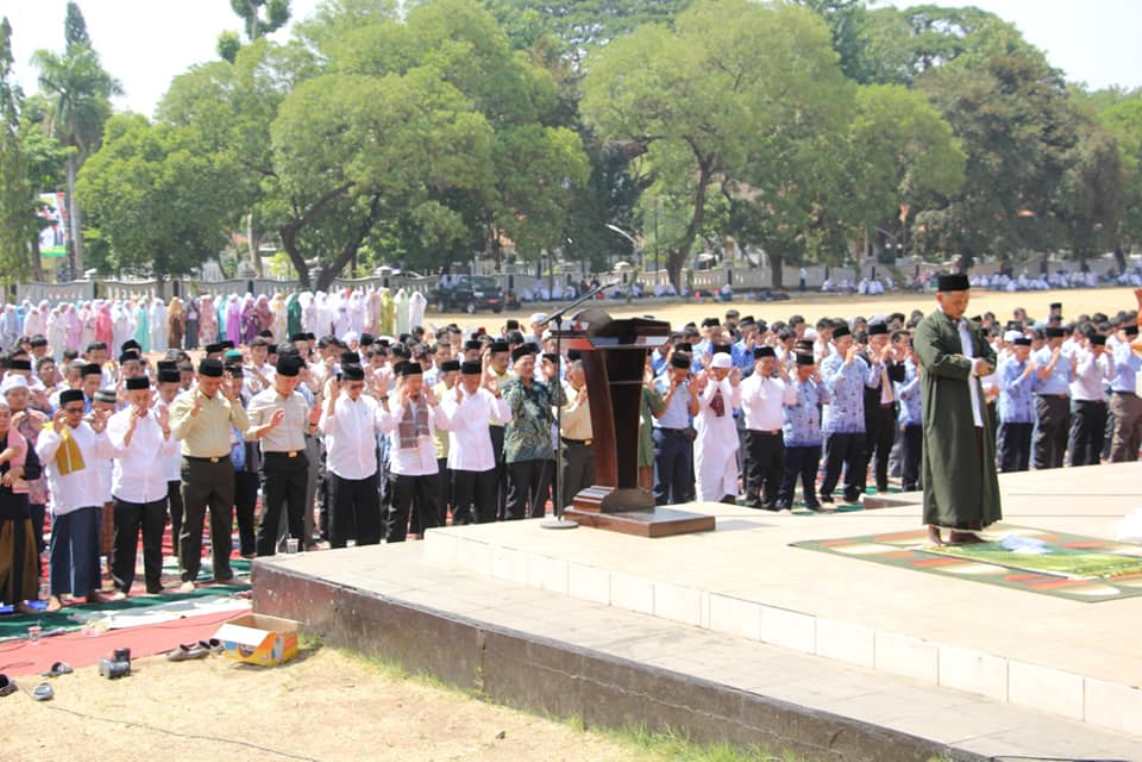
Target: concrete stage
{"type": "Point", "coordinates": [736, 635]}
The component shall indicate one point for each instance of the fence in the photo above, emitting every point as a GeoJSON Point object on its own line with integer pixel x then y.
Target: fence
{"type": "Point", "coordinates": [738, 277]}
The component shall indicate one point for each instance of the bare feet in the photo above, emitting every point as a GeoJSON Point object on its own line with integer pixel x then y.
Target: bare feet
{"type": "Point", "coordinates": [934, 537]}
{"type": "Point", "coordinates": [186, 587]}
{"type": "Point", "coordinates": [965, 538]}
{"type": "Point", "coordinates": [54, 604]}
{"type": "Point", "coordinates": [23, 608]}
{"type": "Point", "coordinates": [98, 596]}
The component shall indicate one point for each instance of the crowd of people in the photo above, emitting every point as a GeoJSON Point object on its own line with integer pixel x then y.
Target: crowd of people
{"type": "Point", "coordinates": [347, 419]}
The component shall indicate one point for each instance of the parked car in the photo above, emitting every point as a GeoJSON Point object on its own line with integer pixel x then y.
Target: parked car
{"type": "Point", "coordinates": [469, 293]}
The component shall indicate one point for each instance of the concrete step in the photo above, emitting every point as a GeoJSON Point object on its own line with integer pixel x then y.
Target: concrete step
{"type": "Point", "coordinates": [550, 652]}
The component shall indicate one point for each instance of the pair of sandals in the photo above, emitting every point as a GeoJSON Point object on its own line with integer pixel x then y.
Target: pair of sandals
{"type": "Point", "coordinates": [199, 650]}
{"type": "Point", "coordinates": [42, 692]}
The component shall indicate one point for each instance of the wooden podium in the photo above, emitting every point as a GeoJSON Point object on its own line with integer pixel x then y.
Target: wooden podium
{"type": "Point", "coordinates": [614, 357]}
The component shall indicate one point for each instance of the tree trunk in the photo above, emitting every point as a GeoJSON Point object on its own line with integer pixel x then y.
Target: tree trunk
{"type": "Point", "coordinates": [288, 233]}
{"type": "Point", "coordinates": [330, 271]}
{"type": "Point", "coordinates": [75, 221]}
{"type": "Point", "coordinates": [254, 243]}
{"type": "Point", "coordinates": [676, 257]}
{"type": "Point", "coordinates": [777, 265]}
{"type": "Point", "coordinates": [37, 260]}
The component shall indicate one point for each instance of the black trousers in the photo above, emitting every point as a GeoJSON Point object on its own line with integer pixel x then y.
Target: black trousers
{"type": "Point", "coordinates": [37, 513]}
{"type": "Point", "coordinates": [321, 496]}
{"type": "Point", "coordinates": [474, 495]}
{"type": "Point", "coordinates": [206, 485]}
{"type": "Point", "coordinates": [1052, 422]}
{"type": "Point", "coordinates": [578, 469]}
{"type": "Point", "coordinates": [130, 519]}
{"type": "Point", "coordinates": [245, 506]}
{"type": "Point", "coordinates": [445, 482]}
{"type": "Point", "coordinates": [911, 449]}
{"type": "Point", "coordinates": [764, 465]}
{"type": "Point", "coordinates": [419, 493]}
{"type": "Point", "coordinates": [878, 441]}
{"type": "Point", "coordinates": [354, 510]}
{"type": "Point", "coordinates": [843, 450]}
{"type": "Point", "coordinates": [800, 462]}
{"type": "Point", "coordinates": [284, 480]}
{"type": "Point", "coordinates": [1088, 432]}
{"type": "Point", "coordinates": [1014, 446]}
{"type": "Point", "coordinates": [528, 483]}
{"type": "Point", "coordinates": [497, 433]}
{"type": "Point", "coordinates": [174, 510]}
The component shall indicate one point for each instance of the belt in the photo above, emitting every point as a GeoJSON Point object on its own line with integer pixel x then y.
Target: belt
{"type": "Point", "coordinates": [583, 442]}
{"type": "Point", "coordinates": [671, 431]}
{"type": "Point", "coordinates": [284, 453]}
{"type": "Point", "coordinates": [772, 433]}
{"type": "Point", "coordinates": [1053, 396]}
{"type": "Point", "coordinates": [1123, 393]}
{"type": "Point", "coordinates": [219, 459]}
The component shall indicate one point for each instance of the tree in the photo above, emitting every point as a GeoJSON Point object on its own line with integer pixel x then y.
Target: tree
{"type": "Point", "coordinates": [75, 28]}
{"type": "Point", "coordinates": [738, 87]}
{"type": "Point", "coordinates": [16, 221]}
{"type": "Point", "coordinates": [157, 199]}
{"type": "Point", "coordinates": [1088, 202]}
{"type": "Point", "coordinates": [1011, 112]}
{"type": "Point", "coordinates": [1121, 116]}
{"type": "Point", "coordinates": [255, 23]}
{"type": "Point", "coordinates": [81, 90]}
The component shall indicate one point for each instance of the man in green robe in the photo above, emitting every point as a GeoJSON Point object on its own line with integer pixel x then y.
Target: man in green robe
{"type": "Point", "coordinates": [961, 490]}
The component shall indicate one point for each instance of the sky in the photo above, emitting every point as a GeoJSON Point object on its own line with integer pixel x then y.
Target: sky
{"type": "Point", "coordinates": [146, 43]}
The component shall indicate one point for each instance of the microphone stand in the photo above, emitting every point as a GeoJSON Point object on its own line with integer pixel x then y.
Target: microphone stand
{"type": "Point", "coordinates": [558, 522]}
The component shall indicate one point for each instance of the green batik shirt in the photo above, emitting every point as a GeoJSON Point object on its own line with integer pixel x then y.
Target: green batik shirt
{"type": "Point", "coordinates": [528, 434]}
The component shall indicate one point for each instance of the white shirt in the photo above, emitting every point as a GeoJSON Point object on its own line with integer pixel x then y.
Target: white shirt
{"type": "Point", "coordinates": [973, 387]}
{"type": "Point", "coordinates": [172, 463]}
{"type": "Point", "coordinates": [78, 489]}
{"type": "Point", "coordinates": [761, 401]}
{"type": "Point", "coordinates": [351, 436]}
{"type": "Point", "coordinates": [413, 461]}
{"type": "Point", "coordinates": [469, 439]}
{"type": "Point", "coordinates": [140, 472]}
{"type": "Point", "coordinates": [1092, 374]}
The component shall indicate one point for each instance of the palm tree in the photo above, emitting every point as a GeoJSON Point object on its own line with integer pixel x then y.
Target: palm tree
{"type": "Point", "coordinates": [81, 92]}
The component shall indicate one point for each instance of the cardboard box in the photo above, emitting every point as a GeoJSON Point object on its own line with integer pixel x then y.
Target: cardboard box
{"type": "Point", "coordinates": [259, 639]}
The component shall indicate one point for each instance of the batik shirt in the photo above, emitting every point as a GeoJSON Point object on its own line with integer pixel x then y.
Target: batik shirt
{"type": "Point", "coordinates": [1016, 399]}
{"type": "Point", "coordinates": [803, 400]}
{"type": "Point", "coordinates": [528, 434]}
{"type": "Point", "coordinates": [908, 392]}
{"type": "Point", "coordinates": [846, 385]}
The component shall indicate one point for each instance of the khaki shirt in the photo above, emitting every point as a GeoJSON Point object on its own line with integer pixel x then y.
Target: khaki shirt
{"type": "Point", "coordinates": [576, 417]}
{"type": "Point", "coordinates": [289, 436]}
{"type": "Point", "coordinates": [206, 435]}
{"type": "Point", "coordinates": [502, 381]}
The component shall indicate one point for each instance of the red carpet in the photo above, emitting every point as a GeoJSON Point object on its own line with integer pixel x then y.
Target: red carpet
{"type": "Point", "coordinates": [79, 650]}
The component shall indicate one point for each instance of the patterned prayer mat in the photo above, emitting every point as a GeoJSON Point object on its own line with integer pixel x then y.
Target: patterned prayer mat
{"type": "Point", "coordinates": [1068, 566]}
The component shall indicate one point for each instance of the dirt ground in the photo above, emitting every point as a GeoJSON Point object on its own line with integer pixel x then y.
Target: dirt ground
{"type": "Point", "coordinates": [815, 306]}
{"type": "Point", "coordinates": [324, 706]}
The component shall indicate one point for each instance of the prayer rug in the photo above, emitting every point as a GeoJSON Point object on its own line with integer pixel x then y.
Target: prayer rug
{"type": "Point", "coordinates": [1078, 568]}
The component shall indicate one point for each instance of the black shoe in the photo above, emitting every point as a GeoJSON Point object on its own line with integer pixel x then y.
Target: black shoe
{"type": "Point", "coordinates": [851, 499]}
{"type": "Point", "coordinates": [782, 505]}
{"type": "Point", "coordinates": [772, 506]}
{"type": "Point", "coordinates": [827, 499]}
{"type": "Point", "coordinates": [814, 506]}
{"type": "Point", "coordinates": [748, 502]}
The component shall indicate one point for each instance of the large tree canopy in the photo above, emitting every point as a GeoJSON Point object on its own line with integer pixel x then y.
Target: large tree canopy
{"type": "Point", "coordinates": [156, 197]}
